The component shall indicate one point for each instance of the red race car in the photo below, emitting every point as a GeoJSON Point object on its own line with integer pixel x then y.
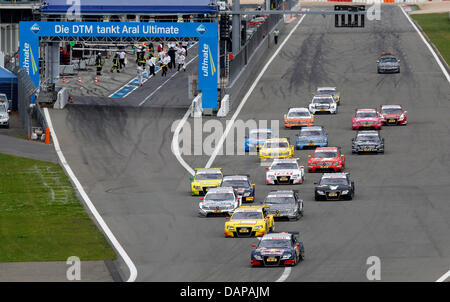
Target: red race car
{"type": "Point", "coordinates": [326, 159]}
{"type": "Point", "coordinates": [393, 115]}
{"type": "Point", "coordinates": [366, 118]}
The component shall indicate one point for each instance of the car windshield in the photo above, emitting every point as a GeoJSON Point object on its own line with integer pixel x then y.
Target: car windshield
{"type": "Point", "coordinates": [219, 196]}
{"type": "Point", "coordinates": [388, 60]}
{"type": "Point", "coordinates": [311, 132]}
{"type": "Point", "coordinates": [391, 110]}
{"type": "Point", "coordinates": [320, 154]}
{"type": "Point", "coordinates": [247, 215]}
{"type": "Point", "coordinates": [298, 114]}
{"type": "Point", "coordinates": [274, 243]}
{"type": "Point", "coordinates": [280, 199]}
{"type": "Point", "coordinates": [260, 135]}
{"type": "Point", "coordinates": [367, 138]}
{"type": "Point", "coordinates": [326, 91]}
{"type": "Point", "coordinates": [276, 145]}
{"type": "Point", "coordinates": [322, 101]}
{"type": "Point", "coordinates": [240, 183]}
{"type": "Point", "coordinates": [366, 114]}
{"type": "Point", "coordinates": [208, 176]}
{"type": "Point", "coordinates": [284, 166]}
{"type": "Point", "coordinates": [334, 181]}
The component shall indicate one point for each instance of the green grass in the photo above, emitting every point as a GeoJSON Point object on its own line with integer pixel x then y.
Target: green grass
{"type": "Point", "coordinates": [41, 219]}
{"type": "Point", "coordinates": [437, 28]}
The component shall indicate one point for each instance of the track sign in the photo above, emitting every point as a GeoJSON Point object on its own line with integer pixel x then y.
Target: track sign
{"type": "Point", "coordinates": [349, 20]}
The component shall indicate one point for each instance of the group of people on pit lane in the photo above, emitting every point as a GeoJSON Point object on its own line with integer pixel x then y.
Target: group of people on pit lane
{"type": "Point", "coordinates": [165, 56]}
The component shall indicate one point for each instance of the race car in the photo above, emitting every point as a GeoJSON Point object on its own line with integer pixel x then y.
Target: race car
{"type": "Point", "coordinates": [366, 119]}
{"type": "Point", "coordinates": [334, 186]}
{"type": "Point", "coordinates": [256, 138]}
{"type": "Point", "coordinates": [222, 200]}
{"type": "Point", "coordinates": [276, 148]}
{"type": "Point", "coordinates": [368, 141]}
{"type": "Point", "coordinates": [298, 117]}
{"type": "Point", "coordinates": [323, 103]}
{"type": "Point", "coordinates": [248, 221]}
{"type": "Point", "coordinates": [314, 136]}
{"type": "Point", "coordinates": [393, 115]}
{"type": "Point", "coordinates": [326, 159]}
{"type": "Point", "coordinates": [388, 63]}
{"type": "Point", "coordinates": [285, 171]}
{"type": "Point", "coordinates": [331, 91]}
{"type": "Point", "coordinates": [205, 179]}
{"type": "Point", "coordinates": [241, 185]}
{"type": "Point", "coordinates": [278, 249]}
{"type": "Point", "coordinates": [284, 204]}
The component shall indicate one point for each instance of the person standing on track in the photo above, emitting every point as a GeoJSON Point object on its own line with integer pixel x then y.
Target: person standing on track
{"type": "Point", "coordinates": [152, 64]}
{"type": "Point", "coordinates": [122, 56]}
{"type": "Point", "coordinates": [276, 32]}
{"type": "Point", "coordinates": [185, 44]}
{"type": "Point", "coordinates": [181, 61]}
{"type": "Point", "coordinates": [99, 63]}
{"type": "Point", "coordinates": [115, 63]}
{"type": "Point", "coordinates": [171, 54]}
{"type": "Point", "coordinates": [165, 61]}
{"type": "Point", "coordinates": [139, 75]}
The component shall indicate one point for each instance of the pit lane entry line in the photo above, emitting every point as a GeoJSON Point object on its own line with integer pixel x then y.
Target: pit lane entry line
{"type": "Point", "coordinates": [88, 202]}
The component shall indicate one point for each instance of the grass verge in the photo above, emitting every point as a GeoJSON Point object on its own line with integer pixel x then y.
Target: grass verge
{"type": "Point", "coordinates": [437, 28]}
{"type": "Point", "coordinates": [41, 218]}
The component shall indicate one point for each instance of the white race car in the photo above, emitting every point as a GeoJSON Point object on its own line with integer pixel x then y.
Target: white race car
{"type": "Point", "coordinates": [323, 103]}
{"type": "Point", "coordinates": [285, 171]}
{"type": "Point", "coordinates": [221, 200]}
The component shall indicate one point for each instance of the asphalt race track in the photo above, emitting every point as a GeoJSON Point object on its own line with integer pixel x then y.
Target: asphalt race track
{"type": "Point", "coordinates": [401, 210]}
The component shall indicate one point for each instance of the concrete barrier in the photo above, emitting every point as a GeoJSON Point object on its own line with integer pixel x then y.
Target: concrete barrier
{"type": "Point", "coordinates": [224, 106]}
{"type": "Point", "coordinates": [62, 99]}
{"type": "Point", "coordinates": [196, 107]}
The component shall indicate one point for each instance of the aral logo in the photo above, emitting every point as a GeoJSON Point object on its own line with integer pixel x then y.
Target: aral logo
{"type": "Point", "coordinates": [35, 28]}
{"type": "Point", "coordinates": [201, 29]}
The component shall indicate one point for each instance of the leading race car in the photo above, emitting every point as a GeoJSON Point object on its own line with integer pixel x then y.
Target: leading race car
{"type": "Point", "coordinates": [393, 115]}
{"type": "Point", "coordinates": [314, 136]}
{"type": "Point", "coordinates": [257, 138]}
{"type": "Point", "coordinates": [278, 249]}
{"type": "Point", "coordinates": [334, 186]}
{"type": "Point", "coordinates": [368, 141]}
{"type": "Point", "coordinates": [205, 179]}
{"type": "Point", "coordinates": [331, 91]}
{"type": "Point", "coordinates": [323, 103]}
{"type": "Point", "coordinates": [249, 221]}
{"type": "Point", "coordinates": [298, 117]}
{"type": "Point", "coordinates": [222, 200]}
{"type": "Point", "coordinates": [241, 185]}
{"type": "Point", "coordinates": [276, 148]}
{"type": "Point", "coordinates": [388, 63]}
{"type": "Point", "coordinates": [284, 204]}
{"type": "Point", "coordinates": [285, 171]}
{"type": "Point", "coordinates": [366, 119]}
{"type": "Point", "coordinates": [326, 159]}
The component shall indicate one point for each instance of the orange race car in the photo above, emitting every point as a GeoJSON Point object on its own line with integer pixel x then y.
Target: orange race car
{"type": "Point", "coordinates": [298, 117]}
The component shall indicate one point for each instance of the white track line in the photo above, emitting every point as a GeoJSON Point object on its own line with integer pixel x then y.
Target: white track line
{"type": "Point", "coordinates": [444, 277]}
{"type": "Point", "coordinates": [176, 146]}
{"type": "Point", "coordinates": [447, 76]}
{"type": "Point", "coordinates": [285, 275]}
{"type": "Point", "coordinates": [428, 45]}
{"type": "Point", "coordinates": [88, 202]}
{"type": "Point", "coordinates": [160, 86]}
{"type": "Point", "coordinates": [247, 95]}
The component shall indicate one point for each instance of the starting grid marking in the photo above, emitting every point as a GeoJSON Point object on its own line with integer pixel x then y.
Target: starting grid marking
{"type": "Point", "coordinates": [132, 85]}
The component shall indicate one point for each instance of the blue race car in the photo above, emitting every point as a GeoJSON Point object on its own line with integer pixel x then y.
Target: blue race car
{"type": "Point", "coordinates": [257, 138]}
{"type": "Point", "coordinates": [277, 249]}
{"type": "Point", "coordinates": [314, 136]}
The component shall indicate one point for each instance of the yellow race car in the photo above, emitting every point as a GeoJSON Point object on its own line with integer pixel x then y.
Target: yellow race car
{"type": "Point", "coordinates": [276, 148]}
{"type": "Point", "coordinates": [248, 221]}
{"type": "Point", "coordinates": [204, 179]}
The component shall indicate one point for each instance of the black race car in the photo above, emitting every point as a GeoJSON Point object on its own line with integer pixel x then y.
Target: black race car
{"type": "Point", "coordinates": [284, 204]}
{"type": "Point", "coordinates": [241, 185]}
{"type": "Point", "coordinates": [277, 249]}
{"type": "Point", "coordinates": [388, 63]}
{"type": "Point", "coordinates": [368, 141]}
{"type": "Point", "coordinates": [334, 186]}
